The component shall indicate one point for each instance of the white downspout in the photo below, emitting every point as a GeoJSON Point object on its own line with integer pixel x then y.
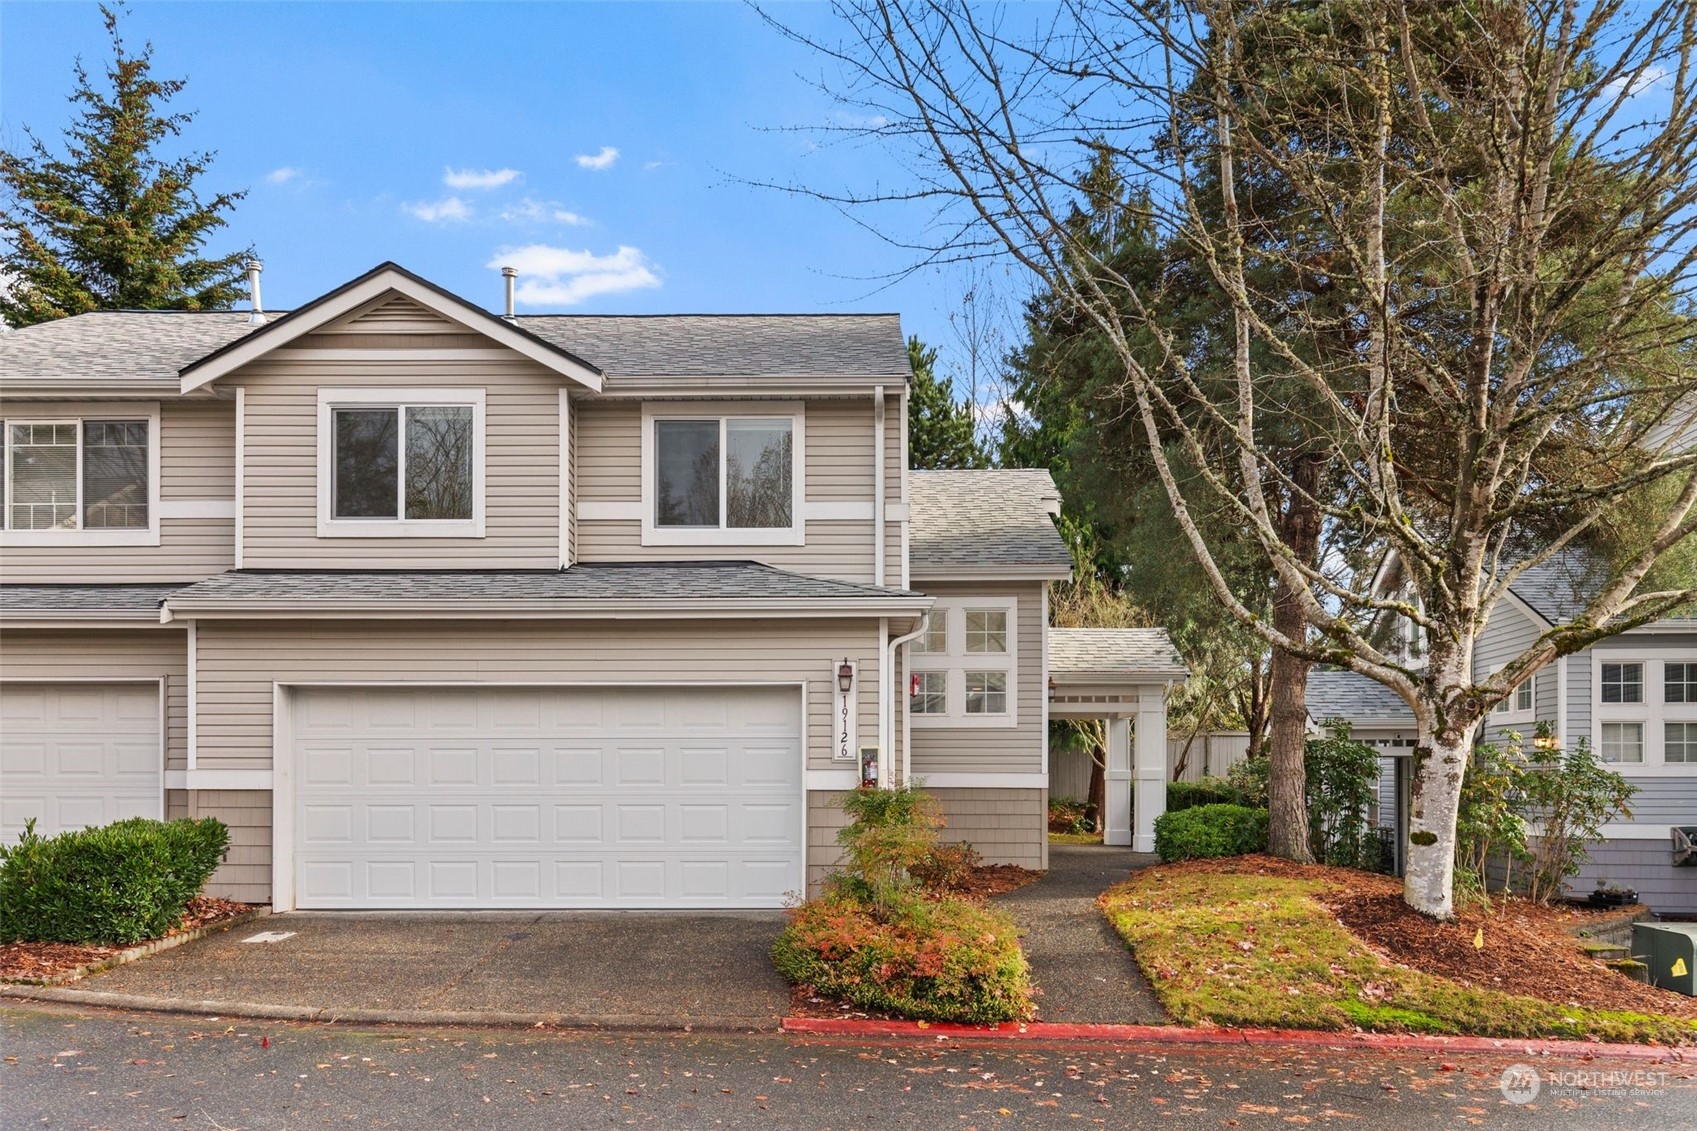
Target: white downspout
{"type": "Point", "coordinates": [889, 665]}
{"type": "Point", "coordinates": [878, 486]}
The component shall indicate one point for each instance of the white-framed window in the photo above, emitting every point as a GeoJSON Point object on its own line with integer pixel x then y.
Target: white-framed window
{"type": "Point", "coordinates": [930, 692]}
{"type": "Point", "coordinates": [80, 475]}
{"type": "Point", "coordinates": [722, 475]}
{"type": "Point", "coordinates": [400, 463]}
{"type": "Point", "coordinates": [967, 667]}
{"type": "Point", "coordinates": [1644, 710]}
{"type": "Point", "coordinates": [1520, 704]}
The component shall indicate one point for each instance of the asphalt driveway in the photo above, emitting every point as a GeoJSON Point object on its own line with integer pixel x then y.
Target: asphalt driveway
{"type": "Point", "coordinates": [708, 970]}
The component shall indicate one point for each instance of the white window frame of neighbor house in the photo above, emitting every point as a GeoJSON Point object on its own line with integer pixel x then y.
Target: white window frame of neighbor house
{"type": "Point", "coordinates": [653, 534]}
{"type": "Point", "coordinates": [79, 415]}
{"type": "Point", "coordinates": [331, 399]}
{"type": "Point", "coordinates": [955, 662]}
{"type": "Point", "coordinates": [1651, 714]}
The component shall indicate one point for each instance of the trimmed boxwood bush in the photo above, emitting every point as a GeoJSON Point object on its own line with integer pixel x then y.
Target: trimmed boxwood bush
{"type": "Point", "coordinates": [1210, 830]}
{"type": "Point", "coordinates": [1208, 791]}
{"type": "Point", "coordinates": [113, 885]}
{"type": "Point", "coordinates": [929, 960]}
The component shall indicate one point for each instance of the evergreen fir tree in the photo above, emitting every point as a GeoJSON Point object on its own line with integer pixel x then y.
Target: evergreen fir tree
{"type": "Point", "coordinates": [940, 431]}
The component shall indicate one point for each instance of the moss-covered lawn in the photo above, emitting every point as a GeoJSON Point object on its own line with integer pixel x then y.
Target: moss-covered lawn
{"type": "Point", "coordinates": [1255, 949]}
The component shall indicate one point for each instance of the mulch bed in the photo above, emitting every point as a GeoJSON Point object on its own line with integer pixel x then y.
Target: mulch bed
{"type": "Point", "coordinates": [32, 962]}
{"type": "Point", "coordinates": [987, 880]}
{"type": "Point", "coordinates": [1528, 949]}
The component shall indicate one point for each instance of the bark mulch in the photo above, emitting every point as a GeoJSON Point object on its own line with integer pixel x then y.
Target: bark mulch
{"type": "Point", "coordinates": [1527, 948]}
{"type": "Point", "coordinates": [987, 880]}
{"type": "Point", "coordinates": [32, 961]}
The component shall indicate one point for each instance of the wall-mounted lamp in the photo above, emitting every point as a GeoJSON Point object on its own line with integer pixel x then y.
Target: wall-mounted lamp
{"type": "Point", "coordinates": [1051, 689]}
{"type": "Point", "coordinates": [845, 676]}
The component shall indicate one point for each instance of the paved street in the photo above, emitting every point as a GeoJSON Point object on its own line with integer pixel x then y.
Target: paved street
{"type": "Point", "coordinates": [66, 1068]}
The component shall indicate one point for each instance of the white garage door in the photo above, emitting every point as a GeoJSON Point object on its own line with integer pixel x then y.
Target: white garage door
{"type": "Point", "coordinates": [547, 797]}
{"type": "Point", "coordinates": [77, 754]}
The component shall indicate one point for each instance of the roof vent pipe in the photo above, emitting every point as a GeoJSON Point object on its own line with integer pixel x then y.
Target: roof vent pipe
{"type": "Point", "coordinates": [509, 274]}
{"type": "Point", "coordinates": [257, 314]}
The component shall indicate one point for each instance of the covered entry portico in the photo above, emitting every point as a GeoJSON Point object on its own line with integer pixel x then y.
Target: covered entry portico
{"type": "Point", "coordinates": [1121, 676]}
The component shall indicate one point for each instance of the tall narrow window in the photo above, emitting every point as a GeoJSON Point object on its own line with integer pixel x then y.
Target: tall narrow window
{"type": "Point", "coordinates": [114, 474]}
{"type": "Point", "coordinates": [757, 474]}
{"type": "Point", "coordinates": [44, 476]}
{"type": "Point", "coordinates": [686, 473]}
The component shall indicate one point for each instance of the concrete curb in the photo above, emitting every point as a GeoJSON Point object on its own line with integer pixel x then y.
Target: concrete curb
{"type": "Point", "coordinates": [142, 950]}
{"type": "Point", "coordinates": [489, 1019]}
{"type": "Point", "coordinates": [1177, 1034]}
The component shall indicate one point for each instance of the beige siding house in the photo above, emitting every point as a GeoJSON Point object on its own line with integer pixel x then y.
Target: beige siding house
{"type": "Point", "coordinates": [440, 609]}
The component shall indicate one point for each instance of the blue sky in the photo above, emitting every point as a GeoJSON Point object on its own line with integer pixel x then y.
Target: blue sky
{"type": "Point", "coordinates": [598, 147]}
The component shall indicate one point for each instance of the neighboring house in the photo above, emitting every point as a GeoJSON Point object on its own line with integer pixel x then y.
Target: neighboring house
{"type": "Point", "coordinates": [436, 608]}
{"type": "Point", "coordinates": [1632, 697]}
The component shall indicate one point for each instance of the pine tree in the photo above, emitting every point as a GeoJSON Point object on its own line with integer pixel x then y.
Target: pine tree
{"type": "Point", "coordinates": [112, 225]}
{"type": "Point", "coordinates": [940, 432]}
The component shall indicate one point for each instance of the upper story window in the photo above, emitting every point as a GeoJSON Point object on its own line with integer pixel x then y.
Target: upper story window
{"type": "Point", "coordinates": [1518, 703]}
{"type": "Point", "coordinates": [965, 665]}
{"type": "Point", "coordinates": [81, 479]}
{"type": "Point", "coordinates": [722, 478]}
{"type": "Point", "coordinates": [400, 463]}
{"type": "Point", "coordinates": [1644, 712]}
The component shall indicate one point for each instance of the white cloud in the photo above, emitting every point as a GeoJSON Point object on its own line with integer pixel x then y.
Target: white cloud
{"type": "Point", "coordinates": [431, 212]}
{"type": "Point", "coordinates": [479, 178]}
{"type": "Point", "coordinates": [559, 276]}
{"type": "Point", "coordinates": [1633, 85]}
{"type": "Point", "coordinates": [282, 176]}
{"type": "Point", "coordinates": [532, 211]}
{"type": "Point", "coordinates": [598, 161]}
{"type": "Point", "coordinates": [650, 166]}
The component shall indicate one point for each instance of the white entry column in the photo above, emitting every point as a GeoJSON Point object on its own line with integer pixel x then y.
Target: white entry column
{"type": "Point", "coordinates": [1150, 764]}
{"type": "Point", "coordinates": [1116, 827]}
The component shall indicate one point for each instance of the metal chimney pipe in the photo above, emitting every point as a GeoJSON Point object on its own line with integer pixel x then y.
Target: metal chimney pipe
{"type": "Point", "coordinates": [509, 274]}
{"type": "Point", "coordinates": [257, 314]}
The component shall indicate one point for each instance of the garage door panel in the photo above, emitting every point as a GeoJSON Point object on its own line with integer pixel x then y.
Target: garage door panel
{"type": "Point", "coordinates": [78, 754]}
{"type": "Point", "coordinates": [522, 815]}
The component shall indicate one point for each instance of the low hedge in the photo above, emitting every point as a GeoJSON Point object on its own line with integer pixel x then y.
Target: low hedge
{"type": "Point", "coordinates": [924, 959]}
{"type": "Point", "coordinates": [1208, 791]}
{"type": "Point", "coordinates": [1210, 830]}
{"type": "Point", "coordinates": [112, 885]}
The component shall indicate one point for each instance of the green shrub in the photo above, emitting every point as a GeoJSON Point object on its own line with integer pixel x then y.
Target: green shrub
{"type": "Point", "coordinates": [1210, 830]}
{"type": "Point", "coordinates": [929, 960]}
{"type": "Point", "coordinates": [892, 832]}
{"type": "Point", "coordinates": [945, 866]}
{"type": "Point", "coordinates": [112, 885]}
{"type": "Point", "coordinates": [1208, 791]}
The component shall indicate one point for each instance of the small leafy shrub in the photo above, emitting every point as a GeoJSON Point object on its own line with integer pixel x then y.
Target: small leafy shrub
{"type": "Point", "coordinates": [1070, 816]}
{"type": "Point", "coordinates": [1210, 830]}
{"type": "Point", "coordinates": [945, 866]}
{"type": "Point", "coordinates": [930, 960]}
{"type": "Point", "coordinates": [112, 885]}
{"type": "Point", "coordinates": [892, 831]}
{"type": "Point", "coordinates": [1342, 788]}
{"type": "Point", "coordinates": [1208, 791]}
{"type": "Point", "coordinates": [1249, 777]}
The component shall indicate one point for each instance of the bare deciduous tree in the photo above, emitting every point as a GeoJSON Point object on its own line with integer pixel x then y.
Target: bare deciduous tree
{"type": "Point", "coordinates": [1490, 207]}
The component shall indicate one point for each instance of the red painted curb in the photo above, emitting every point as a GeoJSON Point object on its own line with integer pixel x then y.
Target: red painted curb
{"type": "Point", "coordinates": [1175, 1034]}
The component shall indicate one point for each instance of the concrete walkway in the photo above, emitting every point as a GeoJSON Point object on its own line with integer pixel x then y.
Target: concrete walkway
{"type": "Point", "coordinates": [707, 970]}
{"type": "Point", "coordinates": [1085, 971]}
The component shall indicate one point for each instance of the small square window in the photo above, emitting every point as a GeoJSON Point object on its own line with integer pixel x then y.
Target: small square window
{"type": "Point", "coordinates": [935, 639]}
{"type": "Point", "coordinates": [1623, 742]}
{"type": "Point", "coordinates": [987, 630]}
{"type": "Point", "coordinates": [1679, 683]}
{"type": "Point", "coordinates": [986, 693]}
{"type": "Point", "coordinates": [932, 696]}
{"type": "Point", "coordinates": [1680, 743]}
{"type": "Point", "coordinates": [1623, 683]}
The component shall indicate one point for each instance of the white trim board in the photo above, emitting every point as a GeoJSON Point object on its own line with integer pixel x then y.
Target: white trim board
{"type": "Point", "coordinates": [923, 780]}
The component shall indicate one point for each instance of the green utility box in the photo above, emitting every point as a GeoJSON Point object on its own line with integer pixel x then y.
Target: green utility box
{"type": "Point", "coordinates": [1670, 951]}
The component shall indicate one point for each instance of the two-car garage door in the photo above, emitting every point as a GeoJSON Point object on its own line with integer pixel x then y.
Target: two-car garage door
{"type": "Point", "coordinates": [460, 797]}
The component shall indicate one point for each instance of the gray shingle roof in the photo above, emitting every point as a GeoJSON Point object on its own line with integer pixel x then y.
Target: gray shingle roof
{"type": "Point", "coordinates": [1102, 651]}
{"type": "Point", "coordinates": [1559, 589]}
{"type": "Point", "coordinates": [658, 582]}
{"type": "Point", "coordinates": [118, 344]}
{"type": "Point", "coordinates": [1349, 695]}
{"type": "Point", "coordinates": [982, 520]}
{"type": "Point", "coordinates": [753, 345]}
{"type": "Point", "coordinates": [122, 600]}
